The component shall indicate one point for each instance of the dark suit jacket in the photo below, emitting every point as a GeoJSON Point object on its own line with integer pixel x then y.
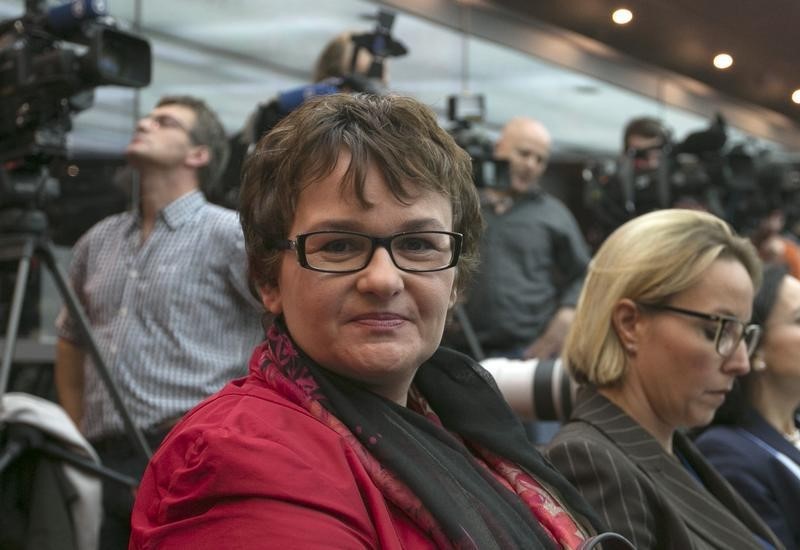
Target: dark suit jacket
{"type": "Point", "coordinates": [645, 494]}
{"type": "Point", "coordinates": [771, 488]}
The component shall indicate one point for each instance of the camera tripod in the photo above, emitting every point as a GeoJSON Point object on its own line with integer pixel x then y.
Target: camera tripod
{"type": "Point", "coordinates": [26, 241]}
{"type": "Point", "coordinates": [469, 333]}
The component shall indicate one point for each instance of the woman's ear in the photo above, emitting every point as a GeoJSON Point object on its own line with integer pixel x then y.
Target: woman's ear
{"type": "Point", "coordinates": [453, 297]}
{"type": "Point", "coordinates": [271, 298]}
{"type": "Point", "coordinates": [625, 318]}
{"type": "Point", "coordinates": [757, 362]}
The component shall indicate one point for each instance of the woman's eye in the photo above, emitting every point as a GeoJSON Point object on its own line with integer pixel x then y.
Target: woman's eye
{"type": "Point", "coordinates": [416, 244]}
{"type": "Point", "coordinates": [340, 245]}
{"type": "Point", "coordinates": [710, 333]}
{"type": "Point", "coordinates": [343, 246]}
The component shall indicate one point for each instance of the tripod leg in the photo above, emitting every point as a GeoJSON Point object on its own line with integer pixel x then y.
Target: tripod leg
{"type": "Point", "coordinates": [76, 311]}
{"type": "Point", "coordinates": [15, 313]}
{"type": "Point", "coordinates": [469, 333]}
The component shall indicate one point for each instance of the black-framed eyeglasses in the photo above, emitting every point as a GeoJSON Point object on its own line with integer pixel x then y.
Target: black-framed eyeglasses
{"type": "Point", "coordinates": [348, 251]}
{"type": "Point", "coordinates": [166, 121]}
{"type": "Point", "coordinates": [730, 330]}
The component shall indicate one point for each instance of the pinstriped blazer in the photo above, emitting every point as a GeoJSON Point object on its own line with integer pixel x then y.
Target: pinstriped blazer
{"type": "Point", "coordinates": [645, 494]}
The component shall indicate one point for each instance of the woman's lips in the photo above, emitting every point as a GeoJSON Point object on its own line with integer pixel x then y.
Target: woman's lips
{"type": "Point", "coordinates": [718, 394]}
{"type": "Point", "coordinates": [380, 319]}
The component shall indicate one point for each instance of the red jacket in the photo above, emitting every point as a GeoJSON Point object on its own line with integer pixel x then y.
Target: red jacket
{"type": "Point", "coordinates": [249, 469]}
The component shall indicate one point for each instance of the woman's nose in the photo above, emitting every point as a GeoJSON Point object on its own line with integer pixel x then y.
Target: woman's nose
{"type": "Point", "coordinates": [738, 364]}
{"type": "Point", "coordinates": [381, 276]}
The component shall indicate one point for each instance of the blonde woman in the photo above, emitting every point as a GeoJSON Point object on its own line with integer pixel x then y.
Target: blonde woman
{"type": "Point", "coordinates": [660, 334]}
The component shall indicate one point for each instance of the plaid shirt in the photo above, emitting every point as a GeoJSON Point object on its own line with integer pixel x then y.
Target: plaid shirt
{"type": "Point", "coordinates": [173, 317]}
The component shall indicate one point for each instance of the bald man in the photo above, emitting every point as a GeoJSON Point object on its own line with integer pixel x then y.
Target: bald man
{"type": "Point", "coordinates": [533, 255]}
{"type": "Point", "coordinates": [525, 143]}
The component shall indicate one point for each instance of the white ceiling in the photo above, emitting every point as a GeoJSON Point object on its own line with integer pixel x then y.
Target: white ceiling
{"type": "Point", "coordinates": [237, 53]}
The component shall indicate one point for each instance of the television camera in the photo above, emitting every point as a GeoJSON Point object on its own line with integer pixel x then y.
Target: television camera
{"type": "Point", "coordinates": [697, 172]}
{"type": "Point", "coordinates": [50, 62]}
{"type": "Point", "coordinates": [463, 112]}
{"type": "Point", "coordinates": [379, 43]}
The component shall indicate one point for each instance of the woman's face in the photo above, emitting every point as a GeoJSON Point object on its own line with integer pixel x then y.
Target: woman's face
{"type": "Point", "coordinates": [780, 346]}
{"type": "Point", "coordinates": [379, 324]}
{"type": "Point", "coordinates": [680, 374]}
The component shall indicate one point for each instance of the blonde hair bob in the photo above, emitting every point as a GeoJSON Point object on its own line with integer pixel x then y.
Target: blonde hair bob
{"type": "Point", "coordinates": [648, 259]}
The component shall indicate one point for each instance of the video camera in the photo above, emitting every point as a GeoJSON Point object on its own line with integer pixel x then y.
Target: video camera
{"type": "Point", "coordinates": [696, 172]}
{"type": "Point", "coordinates": [463, 111]}
{"type": "Point", "coordinates": [50, 63]}
{"type": "Point", "coordinates": [379, 43]}
{"type": "Point", "coordinates": [759, 185]}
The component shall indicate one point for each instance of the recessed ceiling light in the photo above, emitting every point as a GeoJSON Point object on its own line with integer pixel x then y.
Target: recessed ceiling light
{"type": "Point", "coordinates": [723, 61]}
{"type": "Point", "coordinates": [796, 96]}
{"type": "Point", "coordinates": [622, 16]}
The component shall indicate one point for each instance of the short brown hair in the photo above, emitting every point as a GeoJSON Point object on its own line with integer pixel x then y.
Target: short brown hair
{"type": "Point", "coordinates": [397, 135]}
{"type": "Point", "coordinates": [208, 131]}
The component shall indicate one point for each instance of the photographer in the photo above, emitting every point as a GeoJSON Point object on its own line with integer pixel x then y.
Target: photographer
{"type": "Point", "coordinates": [654, 173]}
{"type": "Point", "coordinates": [612, 196]}
{"type": "Point", "coordinates": [533, 256]}
{"type": "Point", "coordinates": [643, 140]}
{"type": "Point", "coordinates": [648, 157]}
{"type": "Point", "coordinates": [165, 291]}
{"type": "Point", "coordinates": [350, 62]}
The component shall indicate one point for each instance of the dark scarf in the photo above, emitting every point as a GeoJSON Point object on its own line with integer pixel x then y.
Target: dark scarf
{"type": "Point", "coordinates": [430, 472]}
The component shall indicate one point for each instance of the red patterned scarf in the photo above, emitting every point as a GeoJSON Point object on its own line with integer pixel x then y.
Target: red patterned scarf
{"type": "Point", "coordinates": [443, 461]}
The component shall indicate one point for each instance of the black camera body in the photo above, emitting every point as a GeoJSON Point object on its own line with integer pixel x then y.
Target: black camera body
{"type": "Point", "coordinates": [50, 63]}
{"type": "Point", "coordinates": [697, 172]}
{"type": "Point", "coordinates": [487, 171]}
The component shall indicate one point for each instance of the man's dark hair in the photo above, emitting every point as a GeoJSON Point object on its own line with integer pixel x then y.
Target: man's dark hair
{"type": "Point", "coordinates": [647, 127]}
{"type": "Point", "coordinates": [207, 131]}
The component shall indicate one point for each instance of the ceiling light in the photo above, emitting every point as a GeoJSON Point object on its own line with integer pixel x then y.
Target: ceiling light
{"type": "Point", "coordinates": [796, 96]}
{"type": "Point", "coordinates": [723, 61]}
{"type": "Point", "coordinates": [622, 16]}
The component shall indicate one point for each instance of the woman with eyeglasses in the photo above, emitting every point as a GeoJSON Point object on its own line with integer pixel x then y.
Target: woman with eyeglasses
{"type": "Point", "coordinates": [754, 441]}
{"type": "Point", "coordinates": [662, 330]}
{"type": "Point", "coordinates": [354, 429]}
